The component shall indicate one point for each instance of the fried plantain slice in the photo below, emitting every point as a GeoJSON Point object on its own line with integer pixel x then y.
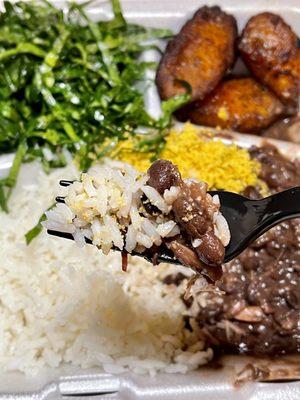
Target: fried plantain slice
{"type": "Point", "coordinates": [200, 54]}
{"type": "Point", "coordinates": [239, 104]}
{"type": "Point", "coordinates": [268, 47]}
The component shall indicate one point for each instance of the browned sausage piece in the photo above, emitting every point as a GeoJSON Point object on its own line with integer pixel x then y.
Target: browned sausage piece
{"type": "Point", "coordinates": [200, 54]}
{"type": "Point", "coordinates": [268, 47]}
{"type": "Point", "coordinates": [240, 104]}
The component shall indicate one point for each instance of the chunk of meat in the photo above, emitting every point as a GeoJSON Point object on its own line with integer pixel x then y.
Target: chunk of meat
{"type": "Point", "coordinates": [189, 257]}
{"type": "Point", "coordinates": [268, 47]}
{"type": "Point", "coordinates": [240, 104]}
{"type": "Point", "coordinates": [200, 54]}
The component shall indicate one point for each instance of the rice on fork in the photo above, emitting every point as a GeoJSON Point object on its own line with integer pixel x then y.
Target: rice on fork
{"type": "Point", "coordinates": [116, 207]}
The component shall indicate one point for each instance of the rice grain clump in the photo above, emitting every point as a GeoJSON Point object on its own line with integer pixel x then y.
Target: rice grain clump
{"type": "Point", "coordinates": [115, 206]}
{"type": "Point", "coordinates": [61, 304]}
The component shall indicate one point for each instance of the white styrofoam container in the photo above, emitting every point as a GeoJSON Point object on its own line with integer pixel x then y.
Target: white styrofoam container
{"type": "Point", "coordinates": [207, 383]}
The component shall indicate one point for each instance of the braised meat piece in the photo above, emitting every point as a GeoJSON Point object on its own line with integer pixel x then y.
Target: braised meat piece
{"type": "Point", "coordinates": [188, 256]}
{"type": "Point", "coordinates": [199, 55]}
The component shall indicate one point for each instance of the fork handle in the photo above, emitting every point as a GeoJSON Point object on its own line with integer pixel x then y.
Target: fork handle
{"type": "Point", "coordinates": [280, 207]}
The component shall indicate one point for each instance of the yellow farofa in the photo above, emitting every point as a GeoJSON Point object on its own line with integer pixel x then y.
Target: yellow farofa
{"type": "Point", "coordinates": [199, 155]}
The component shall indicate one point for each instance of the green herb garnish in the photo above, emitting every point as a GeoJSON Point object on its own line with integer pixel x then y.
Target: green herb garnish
{"type": "Point", "coordinates": [37, 229]}
{"type": "Point", "coordinates": [69, 83]}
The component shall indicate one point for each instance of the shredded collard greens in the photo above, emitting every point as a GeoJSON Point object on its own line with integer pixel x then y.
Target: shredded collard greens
{"type": "Point", "coordinates": [69, 83]}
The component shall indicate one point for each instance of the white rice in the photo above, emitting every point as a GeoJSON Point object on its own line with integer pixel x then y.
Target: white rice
{"type": "Point", "coordinates": [221, 228]}
{"type": "Point", "coordinates": [64, 304]}
{"type": "Point", "coordinates": [105, 204]}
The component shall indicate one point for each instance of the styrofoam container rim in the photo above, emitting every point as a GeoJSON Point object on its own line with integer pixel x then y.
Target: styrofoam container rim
{"type": "Point", "coordinates": [206, 383]}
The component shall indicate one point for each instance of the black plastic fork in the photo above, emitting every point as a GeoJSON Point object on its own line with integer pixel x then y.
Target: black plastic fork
{"type": "Point", "coordinates": [247, 220]}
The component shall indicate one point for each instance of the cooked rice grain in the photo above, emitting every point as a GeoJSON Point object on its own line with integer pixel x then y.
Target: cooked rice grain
{"type": "Point", "coordinates": [64, 304]}
{"type": "Point", "coordinates": [107, 205]}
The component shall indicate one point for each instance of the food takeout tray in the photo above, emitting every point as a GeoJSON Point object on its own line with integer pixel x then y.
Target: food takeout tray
{"type": "Point", "coordinates": [208, 383]}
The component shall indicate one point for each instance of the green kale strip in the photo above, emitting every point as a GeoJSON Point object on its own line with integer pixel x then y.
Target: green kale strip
{"type": "Point", "coordinates": [69, 83]}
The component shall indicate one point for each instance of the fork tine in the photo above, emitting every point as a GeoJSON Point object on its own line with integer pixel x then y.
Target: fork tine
{"type": "Point", "coordinates": [65, 183]}
{"type": "Point", "coordinates": [65, 235]}
{"type": "Point", "coordinates": [60, 199]}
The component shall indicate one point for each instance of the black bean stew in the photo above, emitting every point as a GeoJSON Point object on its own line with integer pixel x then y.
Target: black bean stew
{"type": "Point", "coordinates": [257, 309]}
